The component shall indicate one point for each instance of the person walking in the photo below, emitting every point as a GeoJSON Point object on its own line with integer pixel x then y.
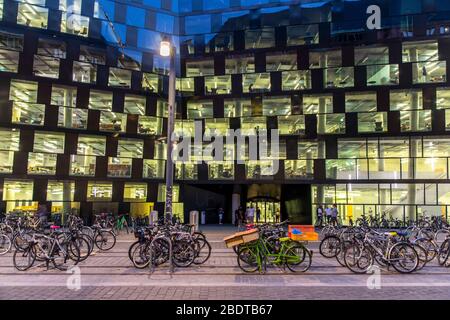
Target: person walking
{"type": "Point", "coordinates": [42, 214]}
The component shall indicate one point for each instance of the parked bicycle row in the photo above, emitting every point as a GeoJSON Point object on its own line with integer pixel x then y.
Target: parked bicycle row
{"type": "Point", "coordinates": [405, 250]}
{"type": "Point", "coordinates": [176, 244]}
{"type": "Point", "coordinates": [35, 243]}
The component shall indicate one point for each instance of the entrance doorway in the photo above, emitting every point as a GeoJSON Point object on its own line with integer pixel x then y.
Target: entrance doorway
{"type": "Point", "coordinates": [270, 209]}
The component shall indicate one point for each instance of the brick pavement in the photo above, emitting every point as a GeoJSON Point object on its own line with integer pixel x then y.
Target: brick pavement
{"type": "Point", "coordinates": [110, 275]}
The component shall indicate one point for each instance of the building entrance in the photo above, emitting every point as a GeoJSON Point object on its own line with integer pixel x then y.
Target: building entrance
{"type": "Point", "coordinates": [269, 208]}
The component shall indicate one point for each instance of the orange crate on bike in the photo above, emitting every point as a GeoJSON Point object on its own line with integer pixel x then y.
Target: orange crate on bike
{"type": "Point", "coordinates": [241, 237]}
{"type": "Point", "coordinates": [306, 236]}
{"type": "Point", "coordinates": [301, 227]}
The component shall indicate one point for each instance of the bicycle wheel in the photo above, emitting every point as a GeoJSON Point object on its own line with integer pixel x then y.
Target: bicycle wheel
{"type": "Point", "coordinates": [21, 240]}
{"type": "Point", "coordinates": [141, 255]}
{"type": "Point", "coordinates": [440, 236]}
{"type": "Point", "coordinates": [429, 246]}
{"type": "Point", "coordinates": [247, 259]}
{"type": "Point", "coordinates": [105, 240]}
{"type": "Point", "coordinates": [63, 257]}
{"type": "Point", "coordinates": [444, 252]}
{"type": "Point", "coordinates": [83, 248]}
{"type": "Point", "coordinates": [184, 253]}
{"type": "Point", "coordinates": [341, 251]}
{"type": "Point", "coordinates": [298, 258]}
{"type": "Point", "coordinates": [358, 259]}
{"type": "Point", "coordinates": [131, 249]}
{"type": "Point", "coordinates": [203, 249]}
{"type": "Point", "coordinates": [329, 245]}
{"type": "Point", "coordinates": [403, 257]}
{"type": "Point", "coordinates": [422, 254]}
{"type": "Point", "coordinates": [5, 244]}
{"type": "Point", "coordinates": [87, 231]}
{"type": "Point", "coordinates": [24, 259]}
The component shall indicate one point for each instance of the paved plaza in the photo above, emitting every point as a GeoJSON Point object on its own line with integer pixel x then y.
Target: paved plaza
{"type": "Point", "coordinates": [110, 275]}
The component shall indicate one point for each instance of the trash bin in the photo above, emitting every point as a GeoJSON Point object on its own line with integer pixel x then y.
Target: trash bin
{"type": "Point", "coordinates": [153, 217]}
{"type": "Point", "coordinates": [193, 219]}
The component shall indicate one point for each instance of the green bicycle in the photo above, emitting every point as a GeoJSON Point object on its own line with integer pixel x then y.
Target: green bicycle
{"type": "Point", "coordinates": [281, 252]}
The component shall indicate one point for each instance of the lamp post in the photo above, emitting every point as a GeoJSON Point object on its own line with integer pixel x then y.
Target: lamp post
{"type": "Point", "coordinates": [167, 50]}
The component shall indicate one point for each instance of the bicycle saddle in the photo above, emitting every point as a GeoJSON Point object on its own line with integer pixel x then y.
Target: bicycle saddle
{"type": "Point", "coordinates": [284, 239]}
{"type": "Point", "coordinates": [53, 227]}
{"type": "Point", "coordinates": [402, 233]}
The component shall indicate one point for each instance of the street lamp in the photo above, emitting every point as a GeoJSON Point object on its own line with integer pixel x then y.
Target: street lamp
{"type": "Point", "coordinates": [167, 50]}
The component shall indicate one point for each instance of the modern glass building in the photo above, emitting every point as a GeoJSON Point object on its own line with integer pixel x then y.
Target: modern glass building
{"type": "Point", "coordinates": [363, 114]}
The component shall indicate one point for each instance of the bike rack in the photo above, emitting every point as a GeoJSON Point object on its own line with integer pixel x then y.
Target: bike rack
{"type": "Point", "coordinates": [167, 239]}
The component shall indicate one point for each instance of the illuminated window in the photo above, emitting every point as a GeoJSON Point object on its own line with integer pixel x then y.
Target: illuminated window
{"type": "Point", "coordinates": [130, 59]}
{"type": "Point", "coordinates": [237, 108]}
{"type": "Point", "coordinates": [371, 55]}
{"type": "Point", "coordinates": [352, 148]}
{"type": "Point", "coordinates": [150, 125]}
{"type": "Point", "coordinates": [64, 96]}
{"type": "Point", "coordinates": [276, 106]}
{"type": "Point", "coordinates": [251, 125]}
{"type": "Point", "coordinates": [360, 101]}
{"type": "Point", "coordinates": [9, 139]}
{"type": "Point", "coordinates": [429, 72]}
{"type": "Point", "coordinates": [204, 67]}
{"type": "Point", "coordinates": [74, 24]}
{"type": "Point", "coordinates": [200, 109]}
{"type": "Point", "coordinates": [372, 122]}
{"type": "Point", "coordinates": [15, 190]}
{"type": "Point", "coordinates": [113, 121]}
{"type": "Point", "coordinates": [221, 170]}
{"type": "Point", "coordinates": [154, 169]}
{"type": "Point", "coordinates": [51, 48]}
{"type": "Point", "coordinates": [119, 78]}
{"type": "Point", "coordinates": [382, 75]}
{"type": "Point", "coordinates": [6, 161]}
{"type": "Point", "coordinates": [296, 80]}
{"type": "Point", "coordinates": [410, 99]}
{"type": "Point", "coordinates": [317, 103]}
{"type": "Point", "coordinates": [443, 98]}
{"type": "Point", "coordinates": [134, 104]}
{"type": "Point", "coordinates": [240, 64]}
{"type": "Point", "coordinates": [84, 72]}
{"type": "Point", "coordinates": [415, 121]}
{"type": "Point", "coordinates": [281, 61]}
{"type": "Point", "coordinates": [185, 85]}
{"type": "Point", "coordinates": [218, 85]}
{"type": "Point", "coordinates": [91, 145]}
{"type": "Point", "coordinates": [331, 123]}
{"type": "Point", "coordinates": [28, 113]}
{"type": "Point", "coordinates": [339, 77]}
{"type": "Point", "coordinates": [47, 67]}
{"type": "Point", "coordinates": [260, 38]}
{"type": "Point", "coordinates": [346, 169]}
{"type": "Point", "coordinates": [9, 61]}
{"type": "Point", "coordinates": [99, 191]}
{"type": "Point", "coordinates": [311, 149]}
{"type": "Point", "coordinates": [186, 171]}
{"type": "Point", "coordinates": [135, 192]}
{"type": "Point", "coordinates": [302, 34]}
{"type": "Point", "coordinates": [162, 192]}
{"type": "Point", "coordinates": [415, 51]}
{"type": "Point", "coordinates": [256, 82]}
{"type": "Point", "coordinates": [299, 169]}
{"type": "Point", "coordinates": [60, 190]}
{"type": "Point", "coordinates": [100, 100]}
{"type": "Point", "coordinates": [32, 16]}
{"type": "Point", "coordinates": [82, 165]}
{"type": "Point", "coordinates": [119, 167]}
{"type": "Point", "coordinates": [25, 91]}
{"type": "Point", "coordinates": [291, 124]}
{"type": "Point", "coordinates": [218, 42]}
{"type": "Point", "coordinates": [12, 41]}
{"type": "Point", "coordinates": [41, 163]}
{"type": "Point", "coordinates": [325, 59]}
{"type": "Point", "coordinates": [130, 148]}
{"type": "Point", "coordinates": [48, 142]}
{"type": "Point", "coordinates": [257, 169]}
{"type": "Point", "coordinates": [216, 126]}
{"type": "Point", "coordinates": [92, 54]}
{"type": "Point", "coordinates": [151, 82]}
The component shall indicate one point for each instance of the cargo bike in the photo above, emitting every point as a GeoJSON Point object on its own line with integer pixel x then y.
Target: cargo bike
{"type": "Point", "coordinates": [257, 250]}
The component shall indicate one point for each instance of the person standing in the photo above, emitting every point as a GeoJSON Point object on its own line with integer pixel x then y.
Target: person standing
{"type": "Point", "coordinates": [258, 214]}
{"type": "Point", "coordinates": [328, 215]}
{"type": "Point", "coordinates": [236, 217]}
{"type": "Point", "coordinates": [334, 215]}
{"type": "Point", "coordinates": [319, 216]}
{"type": "Point", "coordinates": [42, 214]}
{"type": "Point", "coordinates": [220, 216]}
{"type": "Point", "coordinates": [250, 214]}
